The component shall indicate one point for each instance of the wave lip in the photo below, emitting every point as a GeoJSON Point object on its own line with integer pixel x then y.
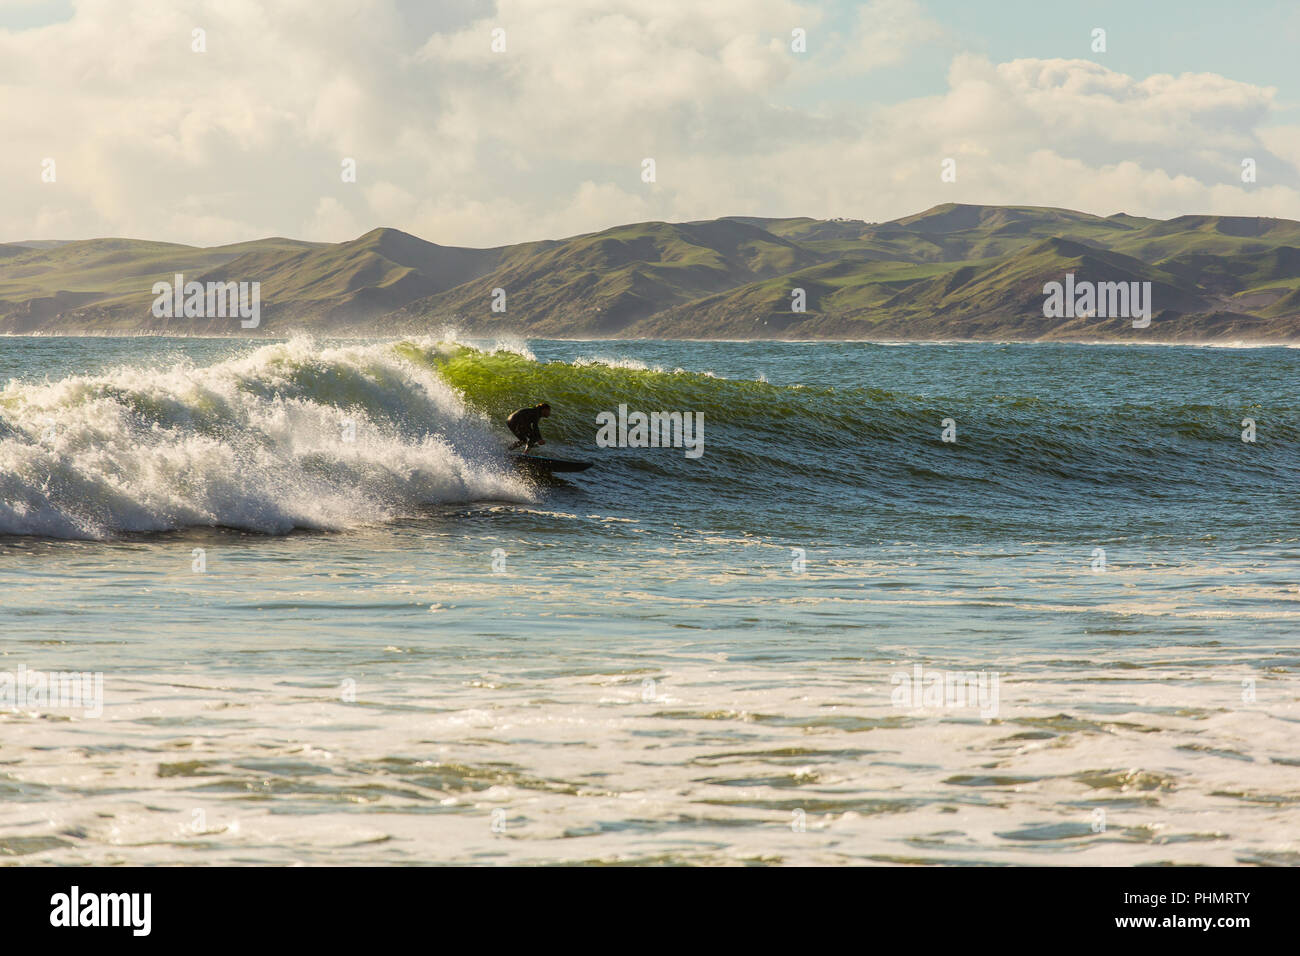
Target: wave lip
{"type": "Point", "coordinates": [288, 436]}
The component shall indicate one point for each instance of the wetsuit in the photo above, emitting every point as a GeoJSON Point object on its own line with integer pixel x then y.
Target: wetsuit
{"type": "Point", "coordinates": [523, 424]}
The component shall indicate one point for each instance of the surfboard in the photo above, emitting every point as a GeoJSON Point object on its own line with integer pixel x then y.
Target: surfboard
{"type": "Point", "coordinates": [547, 466]}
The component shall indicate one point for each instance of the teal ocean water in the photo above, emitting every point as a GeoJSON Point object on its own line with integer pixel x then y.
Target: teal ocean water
{"type": "Point", "coordinates": [334, 625]}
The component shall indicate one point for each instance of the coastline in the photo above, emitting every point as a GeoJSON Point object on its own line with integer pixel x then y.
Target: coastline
{"type": "Point", "coordinates": [378, 336]}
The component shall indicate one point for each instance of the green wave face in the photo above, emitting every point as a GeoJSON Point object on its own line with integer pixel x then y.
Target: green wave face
{"type": "Point", "coordinates": [499, 382]}
{"type": "Point", "coordinates": [855, 453]}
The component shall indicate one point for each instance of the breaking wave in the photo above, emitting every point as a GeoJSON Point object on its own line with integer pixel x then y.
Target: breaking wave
{"type": "Point", "coordinates": [289, 436]}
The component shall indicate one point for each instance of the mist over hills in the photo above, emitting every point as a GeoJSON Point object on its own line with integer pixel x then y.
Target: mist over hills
{"type": "Point", "coordinates": [955, 271]}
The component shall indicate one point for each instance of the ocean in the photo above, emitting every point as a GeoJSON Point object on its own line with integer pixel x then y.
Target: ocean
{"type": "Point", "coordinates": [943, 603]}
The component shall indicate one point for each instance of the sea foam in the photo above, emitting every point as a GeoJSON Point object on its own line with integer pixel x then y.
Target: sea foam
{"type": "Point", "coordinates": [288, 436]}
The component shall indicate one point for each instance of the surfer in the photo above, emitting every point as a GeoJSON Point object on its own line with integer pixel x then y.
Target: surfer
{"type": "Point", "coordinates": [523, 425]}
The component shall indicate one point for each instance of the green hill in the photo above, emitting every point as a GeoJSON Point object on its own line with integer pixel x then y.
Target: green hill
{"type": "Point", "coordinates": [600, 283]}
{"type": "Point", "coordinates": [353, 282]}
{"type": "Point", "coordinates": [954, 271]}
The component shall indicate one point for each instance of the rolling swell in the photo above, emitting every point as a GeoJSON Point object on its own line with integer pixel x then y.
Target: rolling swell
{"type": "Point", "coordinates": [825, 446]}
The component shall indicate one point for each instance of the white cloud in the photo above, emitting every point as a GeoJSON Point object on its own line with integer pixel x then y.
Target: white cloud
{"type": "Point", "coordinates": [330, 222]}
{"type": "Point", "coordinates": [462, 145]}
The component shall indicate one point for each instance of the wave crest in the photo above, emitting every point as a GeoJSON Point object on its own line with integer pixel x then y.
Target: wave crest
{"type": "Point", "coordinates": [288, 436]}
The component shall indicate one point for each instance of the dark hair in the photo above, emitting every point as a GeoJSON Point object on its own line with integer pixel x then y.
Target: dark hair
{"type": "Point", "coordinates": [545, 405]}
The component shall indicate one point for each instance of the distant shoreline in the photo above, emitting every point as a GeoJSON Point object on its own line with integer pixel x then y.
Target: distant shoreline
{"type": "Point", "coordinates": [270, 337]}
{"type": "Point", "coordinates": [955, 272]}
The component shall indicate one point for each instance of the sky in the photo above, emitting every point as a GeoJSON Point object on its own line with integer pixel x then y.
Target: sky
{"type": "Point", "coordinates": [116, 124]}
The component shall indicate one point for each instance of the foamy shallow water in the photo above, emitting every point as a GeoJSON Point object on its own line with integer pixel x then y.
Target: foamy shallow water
{"type": "Point", "coordinates": [715, 762]}
{"type": "Point", "coordinates": [629, 667]}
